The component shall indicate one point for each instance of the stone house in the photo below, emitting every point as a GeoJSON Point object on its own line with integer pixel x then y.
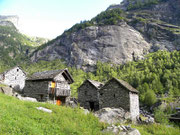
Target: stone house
{"type": "Point", "coordinates": [88, 94]}
{"type": "Point", "coordinates": [118, 93]}
{"type": "Point", "coordinates": [52, 86]}
{"type": "Point", "coordinates": [14, 78]}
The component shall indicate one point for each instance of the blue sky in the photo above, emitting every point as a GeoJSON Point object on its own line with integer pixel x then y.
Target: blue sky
{"type": "Point", "coordinates": [49, 18]}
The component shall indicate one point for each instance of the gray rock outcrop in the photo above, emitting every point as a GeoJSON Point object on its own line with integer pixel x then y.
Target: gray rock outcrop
{"type": "Point", "coordinates": [113, 115]}
{"type": "Point", "coordinates": [115, 44]}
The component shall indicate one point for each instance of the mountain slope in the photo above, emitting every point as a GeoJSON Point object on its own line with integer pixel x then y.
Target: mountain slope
{"type": "Point", "coordinates": [9, 20]}
{"type": "Point", "coordinates": [15, 47]}
{"type": "Point", "coordinates": [116, 36]}
{"type": "Point", "coordinates": [165, 10]}
{"type": "Point", "coordinates": [115, 44]}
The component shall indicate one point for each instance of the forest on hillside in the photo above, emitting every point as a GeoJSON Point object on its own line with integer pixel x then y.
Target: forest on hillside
{"type": "Point", "coordinates": [158, 73]}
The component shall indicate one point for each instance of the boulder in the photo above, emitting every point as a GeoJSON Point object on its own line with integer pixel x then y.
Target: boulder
{"type": "Point", "coordinates": [7, 90]}
{"type": "Point", "coordinates": [122, 133]}
{"type": "Point", "coordinates": [26, 98]}
{"type": "Point", "coordinates": [146, 119]}
{"type": "Point", "coordinates": [86, 111]}
{"type": "Point", "coordinates": [113, 115]}
{"type": "Point", "coordinates": [44, 109]}
{"type": "Point", "coordinates": [133, 132]}
{"type": "Point", "coordinates": [121, 130]}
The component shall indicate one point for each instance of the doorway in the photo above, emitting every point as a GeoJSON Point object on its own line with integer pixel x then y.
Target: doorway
{"type": "Point", "coordinates": [91, 104]}
{"type": "Point", "coordinates": [60, 101]}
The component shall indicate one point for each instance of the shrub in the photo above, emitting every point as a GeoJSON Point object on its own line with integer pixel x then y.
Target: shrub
{"type": "Point", "coordinates": [160, 116]}
{"type": "Point", "coordinates": [150, 98]}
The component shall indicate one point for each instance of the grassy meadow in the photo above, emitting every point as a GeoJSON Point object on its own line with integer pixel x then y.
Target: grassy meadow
{"type": "Point", "coordinates": [22, 118]}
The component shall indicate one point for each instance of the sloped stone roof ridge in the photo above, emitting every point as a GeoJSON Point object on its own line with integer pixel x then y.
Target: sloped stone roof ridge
{"type": "Point", "coordinates": [126, 85]}
{"type": "Point", "coordinates": [12, 69]}
{"type": "Point", "coordinates": [45, 74]}
{"type": "Point", "coordinates": [96, 83]}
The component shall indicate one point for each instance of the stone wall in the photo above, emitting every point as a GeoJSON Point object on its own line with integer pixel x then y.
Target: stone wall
{"type": "Point", "coordinates": [36, 89]}
{"type": "Point", "coordinates": [60, 78]}
{"type": "Point", "coordinates": [112, 94]}
{"type": "Point", "coordinates": [15, 78]}
{"type": "Point", "coordinates": [88, 93]}
{"type": "Point", "coordinates": [134, 106]}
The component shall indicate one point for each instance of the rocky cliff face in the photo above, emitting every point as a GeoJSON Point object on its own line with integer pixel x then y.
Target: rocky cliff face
{"type": "Point", "coordinates": [4, 20]}
{"type": "Point", "coordinates": [115, 44]}
{"type": "Point", "coordinates": [145, 29]}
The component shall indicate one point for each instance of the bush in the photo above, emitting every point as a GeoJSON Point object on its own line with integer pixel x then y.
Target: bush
{"type": "Point", "coordinates": [150, 98]}
{"type": "Point", "coordinates": [160, 116]}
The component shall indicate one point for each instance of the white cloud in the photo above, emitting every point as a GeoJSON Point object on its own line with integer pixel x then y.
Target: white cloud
{"type": "Point", "coordinates": [43, 28]}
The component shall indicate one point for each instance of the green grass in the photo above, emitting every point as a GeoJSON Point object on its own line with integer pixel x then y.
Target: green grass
{"type": "Point", "coordinates": [22, 118]}
{"type": "Point", "coordinates": [157, 129]}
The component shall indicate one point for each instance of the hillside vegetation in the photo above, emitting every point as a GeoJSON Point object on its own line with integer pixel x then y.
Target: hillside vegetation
{"type": "Point", "coordinates": [15, 47]}
{"type": "Point", "coordinates": [138, 4]}
{"type": "Point", "coordinates": [159, 72]}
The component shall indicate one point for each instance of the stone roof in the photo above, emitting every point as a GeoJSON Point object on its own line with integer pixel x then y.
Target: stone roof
{"type": "Point", "coordinates": [12, 69]}
{"type": "Point", "coordinates": [49, 75]}
{"type": "Point", "coordinates": [45, 75]}
{"type": "Point", "coordinates": [97, 84]}
{"type": "Point", "coordinates": [126, 85]}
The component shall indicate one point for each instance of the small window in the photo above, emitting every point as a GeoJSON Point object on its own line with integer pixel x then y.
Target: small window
{"type": "Point", "coordinates": [101, 94]}
{"type": "Point", "coordinates": [85, 93]}
{"type": "Point", "coordinates": [15, 78]}
{"type": "Point", "coordinates": [114, 95]}
{"type": "Point", "coordinates": [17, 70]}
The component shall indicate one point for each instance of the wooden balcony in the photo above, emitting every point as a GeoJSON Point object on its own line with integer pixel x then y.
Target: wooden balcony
{"type": "Point", "coordinates": [62, 92]}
